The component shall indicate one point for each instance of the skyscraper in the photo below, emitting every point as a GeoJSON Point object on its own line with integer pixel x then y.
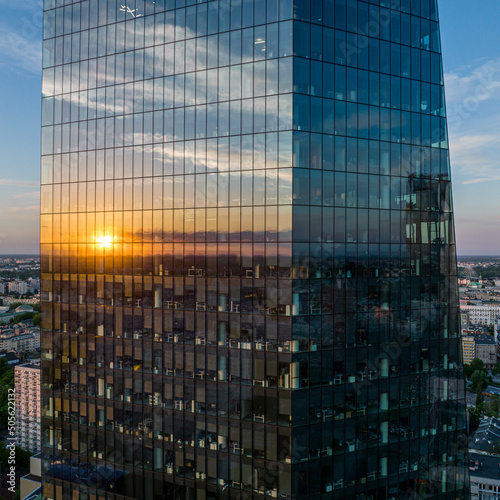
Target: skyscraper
{"type": "Point", "coordinates": [249, 277]}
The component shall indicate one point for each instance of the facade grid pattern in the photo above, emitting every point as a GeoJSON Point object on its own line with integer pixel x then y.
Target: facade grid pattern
{"type": "Point", "coordinates": [249, 279]}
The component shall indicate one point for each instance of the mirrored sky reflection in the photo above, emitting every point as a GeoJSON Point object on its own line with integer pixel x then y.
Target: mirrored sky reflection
{"type": "Point", "coordinates": [468, 62]}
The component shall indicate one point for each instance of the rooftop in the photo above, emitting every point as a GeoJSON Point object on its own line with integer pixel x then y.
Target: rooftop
{"type": "Point", "coordinates": [485, 466]}
{"type": "Point", "coordinates": [29, 365]}
{"type": "Point", "coordinates": [483, 338]}
{"type": "Point", "coordinates": [487, 434]}
{"type": "Point", "coordinates": [24, 308]}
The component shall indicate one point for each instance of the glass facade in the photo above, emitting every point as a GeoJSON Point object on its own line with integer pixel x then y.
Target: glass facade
{"type": "Point", "coordinates": [249, 280]}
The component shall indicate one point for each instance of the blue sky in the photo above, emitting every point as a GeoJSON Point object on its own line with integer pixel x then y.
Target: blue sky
{"type": "Point", "coordinates": [471, 51]}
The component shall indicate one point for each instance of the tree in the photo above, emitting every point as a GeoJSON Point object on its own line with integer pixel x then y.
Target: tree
{"type": "Point", "coordinates": [476, 365]}
{"type": "Point", "coordinates": [474, 418]}
{"type": "Point", "coordinates": [496, 369]}
{"type": "Point", "coordinates": [6, 383]}
{"type": "Point", "coordinates": [36, 319]}
{"type": "Point", "coordinates": [4, 454]}
{"type": "Point", "coordinates": [23, 458]}
{"type": "Point", "coordinates": [492, 409]}
{"type": "Point", "coordinates": [479, 399]}
{"type": "Point", "coordinates": [479, 380]}
{"type": "Point", "coordinates": [21, 317]}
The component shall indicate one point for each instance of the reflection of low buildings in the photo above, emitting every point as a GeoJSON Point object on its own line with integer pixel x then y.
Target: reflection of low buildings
{"type": "Point", "coordinates": [83, 474]}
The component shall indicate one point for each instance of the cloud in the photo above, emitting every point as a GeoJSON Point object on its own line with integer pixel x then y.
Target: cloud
{"type": "Point", "coordinates": [473, 156]}
{"type": "Point", "coordinates": [20, 53]}
{"type": "Point", "coordinates": [32, 195]}
{"type": "Point", "coordinates": [24, 4]}
{"type": "Point", "coordinates": [469, 86]}
{"type": "Point", "coordinates": [19, 183]}
{"type": "Point", "coordinates": [20, 36]}
{"type": "Point", "coordinates": [473, 98]}
{"type": "Point", "coordinates": [27, 208]}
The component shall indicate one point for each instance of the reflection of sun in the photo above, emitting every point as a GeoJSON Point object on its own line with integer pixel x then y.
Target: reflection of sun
{"type": "Point", "coordinates": [105, 241]}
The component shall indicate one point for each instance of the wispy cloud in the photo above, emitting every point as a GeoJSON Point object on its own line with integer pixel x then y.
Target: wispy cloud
{"type": "Point", "coordinates": [20, 36]}
{"type": "Point", "coordinates": [20, 53]}
{"type": "Point", "coordinates": [24, 209]}
{"type": "Point", "coordinates": [474, 158]}
{"type": "Point", "coordinates": [19, 183]}
{"type": "Point", "coordinates": [31, 196]}
{"type": "Point", "coordinates": [469, 85]}
{"type": "Point", "coordinates": [25, 4]}
{"type": "Point", "coordinates": [473, 102]}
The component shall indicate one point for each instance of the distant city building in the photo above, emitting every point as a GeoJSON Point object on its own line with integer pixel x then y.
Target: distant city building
{"type": "Point", "coordinates": [475, 284]}
{"type": "Point", "coordinates": [496, 334]}
{"type": "Point", "coordinates": [486, 349]}
{"type": "Point", "coordinates": [479, 345]}
{"type": "Point", "coordinates": [30, 300]}
{"type": "Point", "coordinates": [20, 287]}
{"type": "Point", "coordinates": [10, 357]}
{"type": "Point", "coordinates": [6, 316]}
{"type": "Point", "coordinates": [32, 482]}
{"type": "Point", "coordinates": [464, 320]}
{"type": "Point", "coordinates": [484, 477]}
{"type": "Point", "coordinates": [28, 416]}
{"type": "Point", "coordinates": [20, 339]}
{"type": "Point", "coordinates": [496, 326]}
{"type": "Point", "coordinates": [4, 287]}
{"type": "Point", "coordinates": [486, 436]}
{"type": "Point", "coordinates": [34, 285]}
{"type": "Point", "coordinates": [482, 314]}
{"type": "Point", "coordinates": [24, 308]}
{"type": "Point", "coordinates": [468, 349]}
